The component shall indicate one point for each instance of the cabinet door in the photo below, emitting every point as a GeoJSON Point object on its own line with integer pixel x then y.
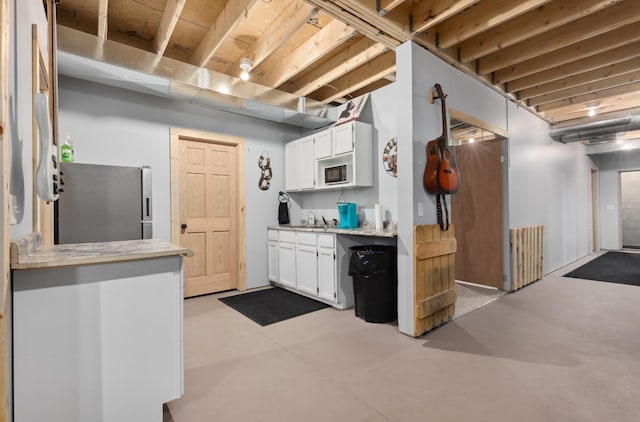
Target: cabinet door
{"type": "Point", "coordinates": [343, 138]}
{"type": "Point", "coordinates": [306, 164]}
{"type": "Point", "coordinates": [307, 262]}
{"type": "Point", "coordinates": [287, 264]}
{"type": "Point", "coordinates": [291, 166]}
{"type": "Point", "coordinates": [272, 253]}
{"type": "Point", "coordinates": [323, 144]}
{"type": "Point", "coordinates": [327, 273]}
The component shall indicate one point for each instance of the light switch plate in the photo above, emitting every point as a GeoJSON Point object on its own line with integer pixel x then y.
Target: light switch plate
{"type": "Point", "coordinates": [420, 209]}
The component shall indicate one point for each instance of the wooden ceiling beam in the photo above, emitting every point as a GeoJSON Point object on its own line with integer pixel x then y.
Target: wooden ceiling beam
{"type": "Point", "coordinates": [232, 14]}
{"type": "Point", "coordinates": [609, 19]}
{"type": "Point", "coordinates": [480, 18]}
{"type": "Point", "coordinates": [526, 26]}
{"type": "Point", "coordinates": [366, 74]}
{"type": "Point", "coordinates": [316, 47]}
{"type": "Point", "coordinates": [336, 67]}
{"type": "Point", "coordinates": [592, 96]}
{"type": "Point", "coordinates": [291, 20]}
{"type": "Point", "coordinates": [170, 16]}
{"type": "Point", "coordinates": [366, 10]}
{"type": "Point", "coordinates": [427, 14]}
{"type": "Point", "coordinates": [597, 45]}
{"type": "Point", "coordinates": [597, 85]}
{"type": "Point", "coordinates": [103, 13]}
{"type": "Point", "coordinates": [387, 6]}
{"type": "Point", "coordinates": [617, 55]}
{"type": "Point", "coordinates": [363, 26]}
{"type": "Point", "coordinates": [620, 105]}
{"type": "Point", "coordinates": [616, 69]}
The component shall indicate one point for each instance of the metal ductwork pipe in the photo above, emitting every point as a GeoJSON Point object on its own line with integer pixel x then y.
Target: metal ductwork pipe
{"type": "Point", "coordinates": [601, 130]}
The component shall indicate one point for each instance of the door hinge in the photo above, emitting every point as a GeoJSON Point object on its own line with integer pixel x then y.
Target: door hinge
{"type": "Point", "coordinates": [317, 253]}
{"type": "Point", "coordinates": [318, 290]}
{"type": "Point", "coordinates": [335, 295]}
{"type": "Point", "coordinates": [334, 256]}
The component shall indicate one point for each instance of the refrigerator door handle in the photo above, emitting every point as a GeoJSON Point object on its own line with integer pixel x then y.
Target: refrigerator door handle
{"type": "Point", "coordinates": [146, 194]}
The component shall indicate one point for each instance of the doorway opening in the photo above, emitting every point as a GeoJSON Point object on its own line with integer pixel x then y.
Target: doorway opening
{"type": "Point", "coordinates": [630, 209]}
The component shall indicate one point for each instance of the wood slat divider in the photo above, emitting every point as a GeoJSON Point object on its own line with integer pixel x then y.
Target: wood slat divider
{"type": "Point", "coordinates": [527, 255]}
{"type": "Point", "coordinates": [434, 276]}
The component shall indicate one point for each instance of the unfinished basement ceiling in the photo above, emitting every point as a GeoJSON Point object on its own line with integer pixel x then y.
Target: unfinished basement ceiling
{"type": "Point", "coordinates": [560, 58]}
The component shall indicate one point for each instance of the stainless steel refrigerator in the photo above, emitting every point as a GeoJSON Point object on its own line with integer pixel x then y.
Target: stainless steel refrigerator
{"type": "Point", "coordinates": [99, 203]}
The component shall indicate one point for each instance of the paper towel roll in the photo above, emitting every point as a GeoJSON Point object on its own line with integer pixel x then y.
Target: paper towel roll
{"type": "Point", "coordinates": [379, 225]}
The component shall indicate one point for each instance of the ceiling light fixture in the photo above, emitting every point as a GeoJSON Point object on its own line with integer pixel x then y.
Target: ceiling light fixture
{"type": "Point", "coordinates": [592, 111]}
{"type": "Point", "coordinates": [471, 140]}
{"type": "Point", "coordinates": [245, 64]}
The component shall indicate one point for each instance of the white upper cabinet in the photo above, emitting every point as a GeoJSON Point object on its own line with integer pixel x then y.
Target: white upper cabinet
{"type": "Point", "coordinates": [343, 138]}
{"type": "Point", "coordinates": [323, 144]}
{"type": "Point", "coordinates": [346, 148]}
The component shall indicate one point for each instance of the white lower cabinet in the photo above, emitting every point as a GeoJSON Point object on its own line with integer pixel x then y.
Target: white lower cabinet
{"type": "Point", "coordinates": [287, 259]}
{"type": "Point", "coordinates": [313, 264]}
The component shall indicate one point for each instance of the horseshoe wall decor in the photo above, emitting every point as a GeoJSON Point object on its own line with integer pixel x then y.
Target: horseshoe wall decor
{"type": "Point", "coordinates": [265, 171]}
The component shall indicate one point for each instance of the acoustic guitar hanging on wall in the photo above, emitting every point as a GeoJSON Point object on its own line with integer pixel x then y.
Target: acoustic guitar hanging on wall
{"type": "Point", "coordinates": [441, 175]}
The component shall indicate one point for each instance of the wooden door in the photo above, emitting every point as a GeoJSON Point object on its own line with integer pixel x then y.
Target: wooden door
{"type": "Point", "coordinates": [477, 213]}
{"type": "Point", "coordinates": [208, 216]}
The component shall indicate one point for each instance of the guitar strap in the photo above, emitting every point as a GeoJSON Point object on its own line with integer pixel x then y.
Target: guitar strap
{"type": "Point", "coordinates": [444, 225]}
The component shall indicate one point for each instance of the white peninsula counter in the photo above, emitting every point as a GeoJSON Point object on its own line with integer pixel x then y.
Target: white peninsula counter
{"type": "Point", "coordinates": [97, 330]}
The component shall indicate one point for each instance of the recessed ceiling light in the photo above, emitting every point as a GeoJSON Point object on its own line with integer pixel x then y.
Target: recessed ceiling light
{"type": "Point", "coordinates": [592, 111]}
{"type": "Point", "coordinates": [471, 140]}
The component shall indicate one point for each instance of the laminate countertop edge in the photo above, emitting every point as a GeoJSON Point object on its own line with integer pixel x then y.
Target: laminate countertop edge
{"type": "Point", "coordinates": [27, 252]}
{"type": "Point", "coordinates": [360, 231]}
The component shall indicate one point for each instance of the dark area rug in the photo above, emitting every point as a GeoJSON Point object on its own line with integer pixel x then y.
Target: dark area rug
{"type": "Point", "coordinates": [272, 305]}
{"type": "Point", "coordinates": [614, 267]}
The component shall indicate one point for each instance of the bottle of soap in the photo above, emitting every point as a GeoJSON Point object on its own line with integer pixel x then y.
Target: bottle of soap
{"type": "Point", "coordinates": [311, 220]}
{"type": "Point", "coordinates": [66, 150]}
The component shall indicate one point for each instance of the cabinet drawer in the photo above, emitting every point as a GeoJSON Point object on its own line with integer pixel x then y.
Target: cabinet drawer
{"type": "Point", "coordinates": [287, 236]}
{"type": "Point", "coordinates": [326, 240]}
{"type": "Point", "coordinates": [306, 238]}
{"type": "Point", "coordinates": [272, 234]}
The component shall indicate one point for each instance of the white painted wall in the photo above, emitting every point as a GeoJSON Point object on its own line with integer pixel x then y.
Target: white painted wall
{"type": "Point", "coordinates": [549, 185]}
{"type": "Point", "coordinates": [118, 127]}
{"type": "Point", "coordinates": [610, 165]}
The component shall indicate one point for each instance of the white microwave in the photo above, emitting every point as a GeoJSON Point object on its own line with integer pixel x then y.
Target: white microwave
{"type": "Point", "coordinates": [335, 174]}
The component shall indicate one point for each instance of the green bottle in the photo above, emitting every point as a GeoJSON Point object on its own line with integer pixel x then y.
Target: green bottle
{"type": "Point", "coordinates": [66, 151]}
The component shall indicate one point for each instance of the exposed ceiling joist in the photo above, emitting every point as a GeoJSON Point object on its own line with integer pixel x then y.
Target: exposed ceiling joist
{"type": "Point", "coordinates": [233, 12]}
{"type": "Point", "coordinates": [583, 49]}
{"type": "Point", "coordinates": [527, 26]}
{"type": "Point", "coordinates": [590, 26]}
{"type": "Point", "coordinates": [593, 96]}
{"type": "Point", "coordinates": [313, 49]}
{"type": "Point", "coordinates": [574, 68]}
{"type": "Point", "coordinates": [366, 74]}
{"type": "Point", "coordinates": [608, 105]}
{"type": "Point", "coordinates": [480, 18]}
{"type": "Point", "coordinates": [548, 90]}
{"type": "Point", "coordinates": [103, 13]}
{"type": "Point", "coordinates": [427, 14]}
{"type": "Point", "coordinates": [337, 66]}
{"type": "Point", "coordinates": [387, 6]}
{"type": "Point", "coordinates": [168, 22]}
{"type": "Point", "coordinates": [291, 20]}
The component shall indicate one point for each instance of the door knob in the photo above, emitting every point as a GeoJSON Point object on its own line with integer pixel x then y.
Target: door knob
{"type": "Point", "coordinates": [183, 226]}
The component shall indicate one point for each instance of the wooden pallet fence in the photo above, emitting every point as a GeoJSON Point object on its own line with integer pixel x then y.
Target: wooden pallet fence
{"type": "Point", "coordinates": [433, 276]}
{"type": "Point", "coordinates": [527, 255]}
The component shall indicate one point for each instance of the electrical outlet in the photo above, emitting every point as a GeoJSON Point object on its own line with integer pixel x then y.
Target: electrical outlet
{"type": "Point", "coordinates": [420, 209]}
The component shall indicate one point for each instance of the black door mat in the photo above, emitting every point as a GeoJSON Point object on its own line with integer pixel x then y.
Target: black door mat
{"type": "Point", "coordinates": [272, 305]}
{"type": "Point", "coordinates": [613, 267]}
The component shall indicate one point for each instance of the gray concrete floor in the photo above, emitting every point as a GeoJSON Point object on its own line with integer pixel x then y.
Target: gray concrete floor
{"type": "Point", "coordinates": [561, 349]}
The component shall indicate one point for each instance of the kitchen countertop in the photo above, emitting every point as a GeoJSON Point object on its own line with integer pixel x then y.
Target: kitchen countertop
{"type": "Point", "coordinates": [27, 252]}
{"type": "Point", "coordinates": [360, 231]}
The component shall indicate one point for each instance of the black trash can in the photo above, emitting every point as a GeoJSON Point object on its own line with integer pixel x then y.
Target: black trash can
{"type": "Point", "coordinates": [375, 282]}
